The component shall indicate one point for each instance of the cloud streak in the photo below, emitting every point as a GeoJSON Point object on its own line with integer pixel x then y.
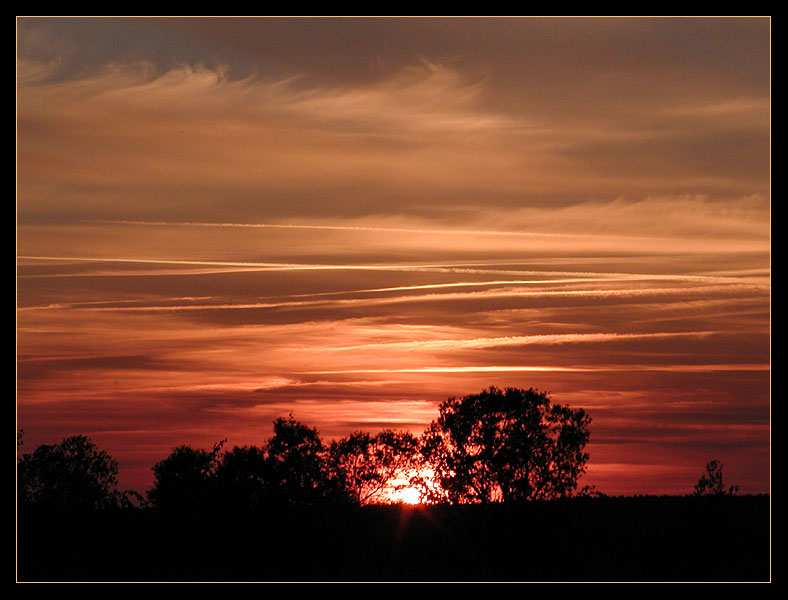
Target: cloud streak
{"type": "Point", "coordinates": [218, 224]}
{"type": "Point", "coordinates": [558, 369]}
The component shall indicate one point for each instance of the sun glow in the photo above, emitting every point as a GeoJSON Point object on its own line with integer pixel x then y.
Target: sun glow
{"type": "Point", "coordinates": [408, 495]}
{"type": "Point", "coordinates": [416, 486]}
{"type": "Point", "coordinates": [355, 244]}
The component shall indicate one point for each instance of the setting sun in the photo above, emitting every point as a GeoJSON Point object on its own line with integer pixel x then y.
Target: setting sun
{"type": "Point", "coordinates": [407, 495]}
{"type": "Point", "coordinates": [452, 260]}
{"type": "Point", "coordinates": [352, 231]}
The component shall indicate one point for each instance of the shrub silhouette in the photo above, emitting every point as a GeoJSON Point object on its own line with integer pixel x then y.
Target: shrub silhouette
{"type": "Point", "coordinates": [711, 484]}
{"type": "Point", "coordinates": [506, 445]}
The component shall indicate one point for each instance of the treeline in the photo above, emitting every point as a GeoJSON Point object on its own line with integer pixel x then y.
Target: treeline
{"type": "Point", "coordinates": [499, 445]}
{"type": "Point", "coordinates": [293, 467]}
{"type": "Point", "coordinates": [297, 509]}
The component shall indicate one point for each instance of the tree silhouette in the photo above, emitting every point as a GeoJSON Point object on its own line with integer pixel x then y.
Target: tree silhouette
{"type": "Point", "coordinates": [71, 475]}
{"type": "Point", "coordinates": [184, 480]}
{"type": "Point", "coordinates": [506, 445]}
{"type": "Point", "coordinates": [368, 463]}
{"type": "Point", "coordinates": [243, 478]}
{"type": "Point", "coordinates": [299, 470]}
{"type": "Point", "coordinates": [291, 468]}
{"type": "Point", "coordinates": [711, 484]}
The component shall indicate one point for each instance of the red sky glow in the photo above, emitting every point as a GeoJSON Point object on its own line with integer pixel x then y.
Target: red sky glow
{"type": "Point", "coordinates": [223, 221]}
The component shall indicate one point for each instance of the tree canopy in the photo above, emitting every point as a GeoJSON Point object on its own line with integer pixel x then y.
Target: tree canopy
{"type": "Point", "coordinates": [72, 475]}
{"type": "Point", "coordinates": [504, 445]}
{"type": "Point", "coordinates": [292, 467]}
{"type": "Point", "coordinates": [299, 467]}
{"type": "Point", "coordinates": [243, 476]}
{"type": "Point", "coordinates": [185, 478]}
{"type": "Point", "coordinates": [368, 463]}
{"type": "Point", "coordinates": [495, 446]}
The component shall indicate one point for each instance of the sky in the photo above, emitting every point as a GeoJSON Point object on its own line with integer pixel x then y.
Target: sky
{"type": "Point", "coordinates": [220, 222]}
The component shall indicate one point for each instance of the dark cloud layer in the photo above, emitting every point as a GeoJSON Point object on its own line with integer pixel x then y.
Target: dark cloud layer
{"type": "Point", "coordinates": [483, 112]}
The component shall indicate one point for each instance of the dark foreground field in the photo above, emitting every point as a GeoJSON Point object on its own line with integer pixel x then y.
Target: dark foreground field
{"type": "Point", "coordinates": [599, 539]}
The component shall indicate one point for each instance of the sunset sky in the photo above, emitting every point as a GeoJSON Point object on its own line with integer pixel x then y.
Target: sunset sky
{"type": "Point", "coordinates": [222, 221]}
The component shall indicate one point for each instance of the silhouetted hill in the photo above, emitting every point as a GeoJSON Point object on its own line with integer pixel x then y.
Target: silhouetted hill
{"type": "Point", "coordinates": [583, 539]}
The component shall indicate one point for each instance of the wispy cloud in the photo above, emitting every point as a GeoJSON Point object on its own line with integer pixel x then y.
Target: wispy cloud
{"type": "Point", "coordinates": [232, 224]}
{"type": "Point", "coordinates": [522, 340]}
{"type": "Point", "coordinates": [560, 369]}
